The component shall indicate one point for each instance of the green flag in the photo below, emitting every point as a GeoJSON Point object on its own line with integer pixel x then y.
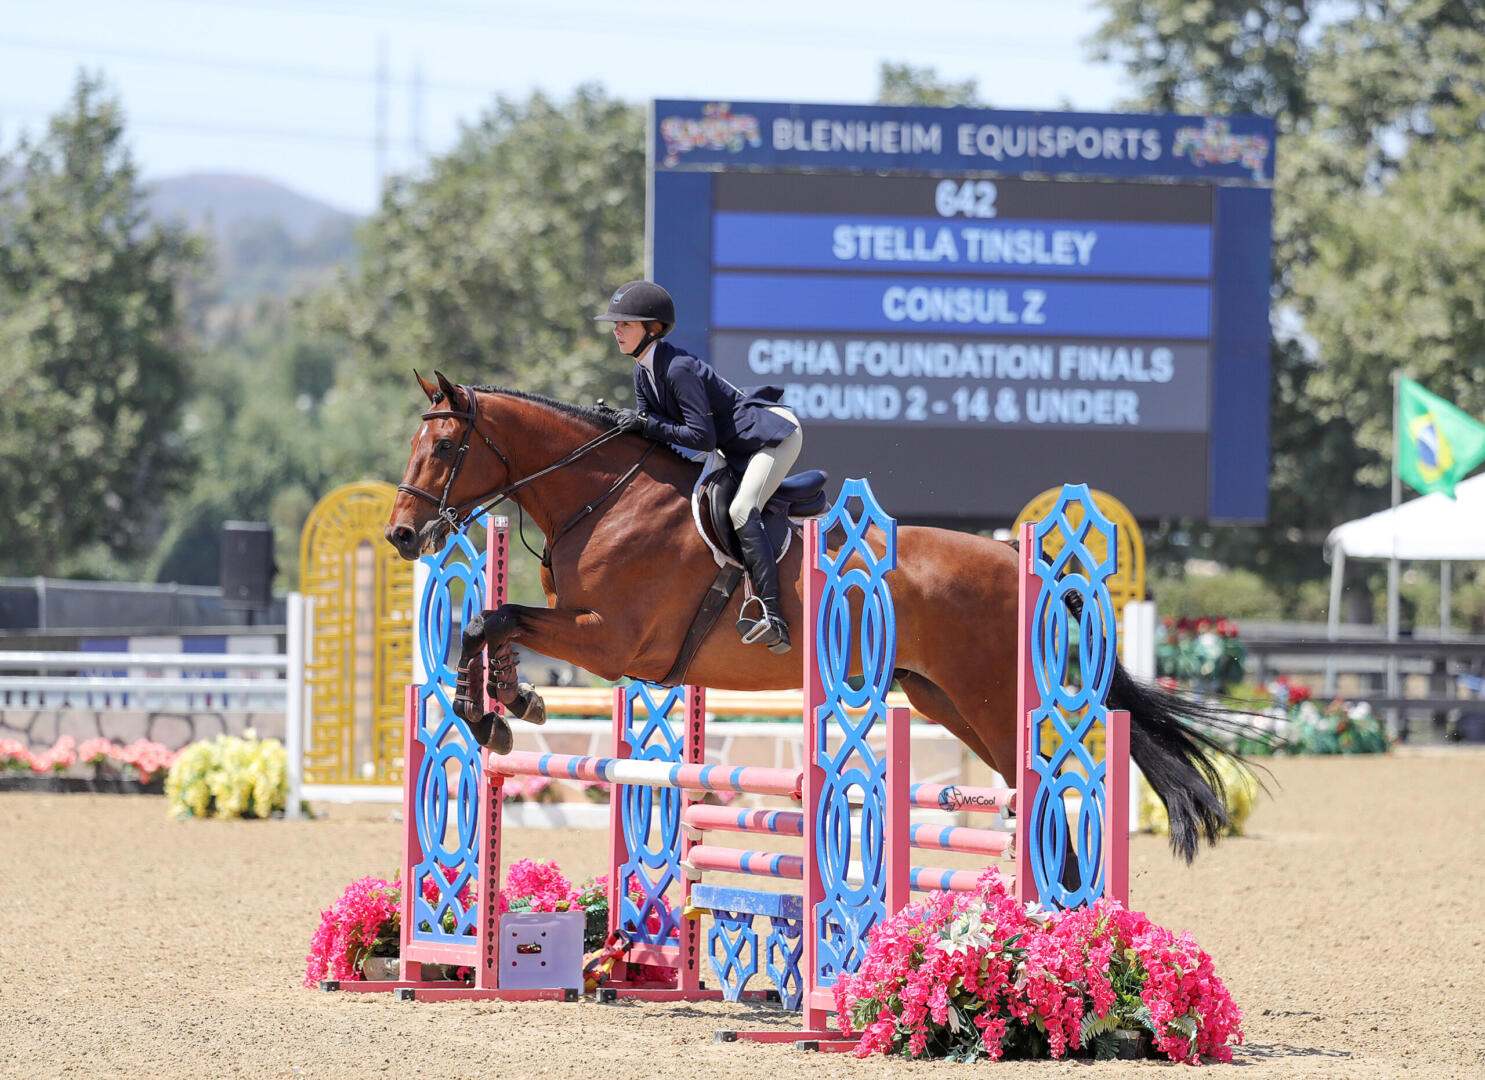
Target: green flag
{"type": "Point", "coordinates": [1439, 443]}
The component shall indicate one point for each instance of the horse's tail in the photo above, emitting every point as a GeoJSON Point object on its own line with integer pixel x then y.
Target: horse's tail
{"type": "Point", "coordinates": [1179, 760]}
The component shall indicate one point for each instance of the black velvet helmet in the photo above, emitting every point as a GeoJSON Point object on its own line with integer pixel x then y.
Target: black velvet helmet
{"type": "Point", "coordinates": [640, 301]}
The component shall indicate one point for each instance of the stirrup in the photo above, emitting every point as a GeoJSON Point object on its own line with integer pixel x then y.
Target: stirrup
{"type": "Point", "coordinates": [764, 629]}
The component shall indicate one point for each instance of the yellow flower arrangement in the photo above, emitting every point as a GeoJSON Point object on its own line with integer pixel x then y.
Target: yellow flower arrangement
{"type": "Point", "coordinates": [228, 777]}
{"type": "Point", "coordinates": [1242, 794]}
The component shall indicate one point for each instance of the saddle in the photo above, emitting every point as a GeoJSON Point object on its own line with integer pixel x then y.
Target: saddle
{"type": "Point", "coordinates": [799, 496]}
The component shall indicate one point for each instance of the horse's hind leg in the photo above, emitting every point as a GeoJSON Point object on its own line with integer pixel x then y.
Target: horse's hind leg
{"type": "Point", "coordinates": [930, 700]}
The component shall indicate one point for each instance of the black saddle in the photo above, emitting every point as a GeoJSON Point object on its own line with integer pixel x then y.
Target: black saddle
{"type": "Point", "coordinates": [799, 496]}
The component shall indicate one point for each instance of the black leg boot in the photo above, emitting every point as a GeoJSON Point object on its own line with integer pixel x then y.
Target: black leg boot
{"type": "Point", "coordinates": [769, 627]}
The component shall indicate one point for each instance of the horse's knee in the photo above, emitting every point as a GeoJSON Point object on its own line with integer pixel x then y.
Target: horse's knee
{"type": "Point", "coordinates": [473, 639]}
{"type": "Point", "coordinates": [492, 627]}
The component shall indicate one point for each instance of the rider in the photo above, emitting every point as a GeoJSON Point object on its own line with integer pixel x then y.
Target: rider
{"type": "Point", "coordinates": [683, 401]}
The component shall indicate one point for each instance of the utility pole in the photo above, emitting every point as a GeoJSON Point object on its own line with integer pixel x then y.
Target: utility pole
{"type": "Point", "coordinates": [383, 91]}
{"type": "Point", "coordinates": [415, 111]}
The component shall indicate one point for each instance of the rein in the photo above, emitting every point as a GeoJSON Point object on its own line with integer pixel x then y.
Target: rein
{"type": "Point", "coordinates": [459, 517]}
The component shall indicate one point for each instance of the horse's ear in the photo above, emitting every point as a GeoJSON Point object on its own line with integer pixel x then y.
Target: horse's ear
{"type": "Point", "coordinates": [429, 388]}
{"type": "Point", "coordinates": [450, 391]}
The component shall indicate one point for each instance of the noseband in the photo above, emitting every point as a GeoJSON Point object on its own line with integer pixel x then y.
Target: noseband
{"type": "Point", "coordinates": [457, 517]}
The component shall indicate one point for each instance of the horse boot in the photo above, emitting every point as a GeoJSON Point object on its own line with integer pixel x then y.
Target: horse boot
{"type": "Point", "coordinates": [768, 627]}
{"type": "Point", "coordinates": [520, 698]}
{"type": "Point", "coordinates": [489, 729]}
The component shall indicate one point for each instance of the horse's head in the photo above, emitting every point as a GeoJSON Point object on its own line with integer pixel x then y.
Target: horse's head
{"type": "Point", "coordinates": [441, 482]}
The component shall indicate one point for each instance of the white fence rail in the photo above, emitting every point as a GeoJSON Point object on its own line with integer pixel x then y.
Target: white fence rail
{"type": "Point", "coordinates": [150, 682]}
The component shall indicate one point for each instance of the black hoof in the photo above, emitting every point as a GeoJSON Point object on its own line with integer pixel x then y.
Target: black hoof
{"type": "Point", "coordinates": [493, 733]}
{"type": "Point", "coordinates": [528, 705]}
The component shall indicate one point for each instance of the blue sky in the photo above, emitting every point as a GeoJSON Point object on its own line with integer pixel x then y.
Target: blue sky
{"type": "Point", "coordinates": [286, 89]}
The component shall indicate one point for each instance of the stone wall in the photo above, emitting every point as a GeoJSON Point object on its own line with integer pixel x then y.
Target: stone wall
{"type": "Point", "coordinates": [39, 729]}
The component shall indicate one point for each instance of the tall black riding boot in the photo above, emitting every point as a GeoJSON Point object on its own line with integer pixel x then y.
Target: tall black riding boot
{"type": "Point", "coordinates": [768, 626]}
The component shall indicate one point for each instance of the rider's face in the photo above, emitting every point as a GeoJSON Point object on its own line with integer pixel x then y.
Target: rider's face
{"type": "Point", "coordinates": [628, 335]}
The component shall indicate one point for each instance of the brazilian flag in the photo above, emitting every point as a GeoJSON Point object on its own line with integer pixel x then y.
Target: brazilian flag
{"type": "Point", "coordinates": [1439, 442]}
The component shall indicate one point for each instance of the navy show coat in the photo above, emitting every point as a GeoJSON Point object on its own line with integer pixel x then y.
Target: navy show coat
{"type": "Point", "coordinates": [697, 409]}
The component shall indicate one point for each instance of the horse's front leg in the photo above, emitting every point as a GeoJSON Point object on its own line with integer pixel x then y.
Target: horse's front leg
{"type": "Point", "coordinates": [574, 635]}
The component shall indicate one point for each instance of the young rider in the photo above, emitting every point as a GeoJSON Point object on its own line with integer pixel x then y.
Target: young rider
{"type": "Point", "coordinates": [684, 402]}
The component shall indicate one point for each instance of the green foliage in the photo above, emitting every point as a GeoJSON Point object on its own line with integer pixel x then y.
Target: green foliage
{"type": "Point", "coordinates": [271, 434]}
{"type": "Point", "coordinates": [1237, 594]}
{"type": "Point", "coordinates": [491, 266]}
{"type": "Point", "coordinates": [1204, 653]}
{"type": "Point", "coordinates": [1378, 235]}
{"type": "Point", "coordinates": [904, 84]}
{"type": "Point", "coordinates": [1244, 56]}
{"type": "Point", "coordinates": [92, 352]}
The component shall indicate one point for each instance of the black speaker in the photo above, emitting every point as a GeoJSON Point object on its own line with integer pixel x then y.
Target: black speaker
{"type": "Point", "coordinates": [247, 565]}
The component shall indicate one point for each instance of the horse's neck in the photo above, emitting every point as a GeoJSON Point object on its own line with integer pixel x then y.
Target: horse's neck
{"type": "Point", "coordinates": [544, 437]}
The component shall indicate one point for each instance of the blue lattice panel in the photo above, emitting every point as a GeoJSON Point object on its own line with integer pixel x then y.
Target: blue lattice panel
{"type": "Point", "coordinates": [663, 725]}
{"type": "Point", "coordinates": [1069, 663]}
{"type": "Point", "coordinates": [733, 946]}
{"type": "Point", "coordinates": [853, 638]}
{"type": "Point", "coordinates": [442, 877]}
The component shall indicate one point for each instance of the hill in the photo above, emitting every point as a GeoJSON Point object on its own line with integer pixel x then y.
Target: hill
{"type": "Point", "coordinates": [264, 236]}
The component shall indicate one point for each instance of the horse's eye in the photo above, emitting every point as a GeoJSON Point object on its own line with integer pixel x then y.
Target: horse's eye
{"type": "Point", "coordinates": [443, 448]}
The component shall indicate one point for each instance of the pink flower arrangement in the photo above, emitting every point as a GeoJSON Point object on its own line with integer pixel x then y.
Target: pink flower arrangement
{"type": "Point", "coordinates": [145, 756]}
{"type": "Point", "coordinates": [965, 976]}
{"type": "Point", "coordinates": [366, 920]}
{"type": "Point", "coordinates": [366, 916]}
{"type": "Point", "coordinates": [525, 788]}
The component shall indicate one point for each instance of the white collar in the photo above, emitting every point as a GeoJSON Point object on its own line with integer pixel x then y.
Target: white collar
{"type": "Point", "coordinates": [647, 358]}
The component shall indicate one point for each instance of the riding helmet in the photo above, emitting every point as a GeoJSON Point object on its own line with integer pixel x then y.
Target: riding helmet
{"type": "Point", "coordinates": [640, 301]}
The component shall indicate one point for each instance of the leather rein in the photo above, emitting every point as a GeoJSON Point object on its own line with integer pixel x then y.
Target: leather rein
{"type": "Point", "coordinates": [459, 517]}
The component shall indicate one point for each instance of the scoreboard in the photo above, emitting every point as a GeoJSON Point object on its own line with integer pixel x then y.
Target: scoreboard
{"type": "Point", "coordinates": [971, 306]}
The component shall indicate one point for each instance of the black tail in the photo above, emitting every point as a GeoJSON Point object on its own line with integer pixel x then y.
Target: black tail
{"type": "Point", "coordinates": [1177, 759]}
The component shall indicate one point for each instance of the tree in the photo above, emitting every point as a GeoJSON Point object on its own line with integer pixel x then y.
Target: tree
{"type": "Point", "coordinates": [92, 346]}
{"type": "Point", "coordinates": [1243, 56]}
{"type": "Point", "coordinates": [1377, 228]}
{"type": "Point", "coordinates": [267, 437]}
{"type": "Point", "coordinates": [904, 84]}
{"type": "Point", "coordinates": [491, 267]}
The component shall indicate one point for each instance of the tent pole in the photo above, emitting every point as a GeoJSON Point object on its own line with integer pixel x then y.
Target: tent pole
{"type": "Point", "coordinates": [1333, 617]}
{"type": "Point", "coordinates": [1393, 605]}
{"type": "Point", "coordinates": [1446, 589]}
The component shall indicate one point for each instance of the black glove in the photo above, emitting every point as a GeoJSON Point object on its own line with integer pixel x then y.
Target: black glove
{"type": "Point", "coordinates": [629, 420]}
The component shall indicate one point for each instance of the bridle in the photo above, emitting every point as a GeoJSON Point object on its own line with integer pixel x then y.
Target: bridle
{"type": "Point", "coordinates": [459, 517]}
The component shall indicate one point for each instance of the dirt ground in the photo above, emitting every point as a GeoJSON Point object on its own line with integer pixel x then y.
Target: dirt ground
{"type": "Point", "coordinates": [1348, 926]}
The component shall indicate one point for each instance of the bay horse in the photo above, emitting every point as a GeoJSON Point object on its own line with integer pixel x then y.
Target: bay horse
{"type": "Point", "coordinates": [624, 571]}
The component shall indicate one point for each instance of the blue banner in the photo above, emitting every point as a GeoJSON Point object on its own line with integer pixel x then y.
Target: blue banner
{"type": "Point", "coordinates": [707, 135]}
{"type": "Point", "coordinates": [928, 245]}
{"type": "Point", "coordinates": [936, 305]}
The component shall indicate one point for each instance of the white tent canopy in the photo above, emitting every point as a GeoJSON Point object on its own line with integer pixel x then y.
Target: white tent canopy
{"type": "Point", "coordinates": [1432, 527]}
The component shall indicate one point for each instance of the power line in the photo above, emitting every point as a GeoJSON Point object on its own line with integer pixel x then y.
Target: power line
{"type": "Point", "coordinates": [198, 127]}
{"type": "Point", "coordinates": [958, 40]}
{"type": "Point", "coordinates": [218, 63]}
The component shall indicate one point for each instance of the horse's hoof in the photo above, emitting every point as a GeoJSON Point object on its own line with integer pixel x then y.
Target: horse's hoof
{"type": "Point", "coordinates": [526, 704]}
{"type": "Point", "coordinates": [535, 711]}
{"type": "Point", "coordinates": [493, 733]}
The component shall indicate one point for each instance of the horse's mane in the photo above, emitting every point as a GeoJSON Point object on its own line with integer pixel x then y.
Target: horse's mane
{"type": "Point", "coordinates": [602, 419]}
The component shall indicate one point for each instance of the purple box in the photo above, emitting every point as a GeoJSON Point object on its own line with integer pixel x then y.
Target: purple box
{"type": "Point", "coordinates": [540, 950]}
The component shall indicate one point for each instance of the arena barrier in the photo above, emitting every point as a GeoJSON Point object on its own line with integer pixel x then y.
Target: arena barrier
{"type": "Point", "coordinates": [854, 800]}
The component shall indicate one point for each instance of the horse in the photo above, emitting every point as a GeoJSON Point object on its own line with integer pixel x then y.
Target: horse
{"type": "Point", "coordinates": [624, 570]}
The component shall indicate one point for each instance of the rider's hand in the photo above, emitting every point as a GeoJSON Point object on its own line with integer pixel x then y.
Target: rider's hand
{"type": "Point", "coordinates": [629, 420]}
